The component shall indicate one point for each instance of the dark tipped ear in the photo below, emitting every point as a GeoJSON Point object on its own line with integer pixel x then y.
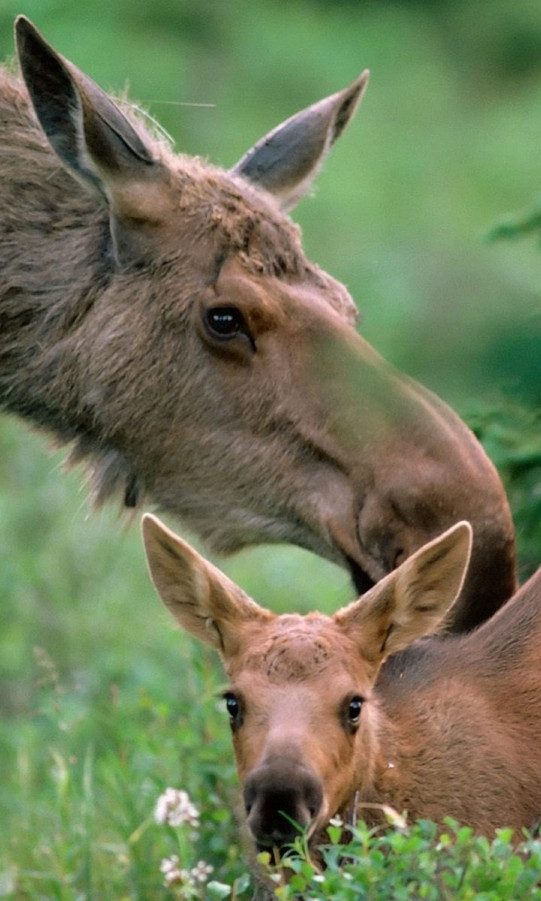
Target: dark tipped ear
{"type": "Point", "coordinates": [93, 138]}
{"type": "Point", "coordinates": [286, 161]}
{"type": "Point", "coordinates": [413, 600]}
{"type": "Point", "coordinates": [201, 598]}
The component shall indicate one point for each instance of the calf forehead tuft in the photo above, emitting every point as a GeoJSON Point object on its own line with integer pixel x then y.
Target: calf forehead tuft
{"type": "Point", "coordinates": [296, 649]}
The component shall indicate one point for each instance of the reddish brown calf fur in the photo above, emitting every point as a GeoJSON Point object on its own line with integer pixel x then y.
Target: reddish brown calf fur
{"type": "Point", "coordinates": [160, 315]}
{"type": "Point", "coordinates": [332, 713]}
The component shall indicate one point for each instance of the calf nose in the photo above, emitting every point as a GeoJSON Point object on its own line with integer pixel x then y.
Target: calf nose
{"type": "Point", "coordinates": [281, 798]}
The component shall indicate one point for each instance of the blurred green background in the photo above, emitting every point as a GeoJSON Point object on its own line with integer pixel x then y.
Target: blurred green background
{"type": "Point", "coordinates": [446, 145]}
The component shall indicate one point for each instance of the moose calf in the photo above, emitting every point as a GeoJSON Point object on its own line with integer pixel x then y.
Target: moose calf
{"type": "Point", "coordinates": [323, 722]}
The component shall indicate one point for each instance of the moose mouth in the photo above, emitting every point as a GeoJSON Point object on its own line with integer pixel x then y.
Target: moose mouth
{"type": "Point", "coordinates": [359, 577]}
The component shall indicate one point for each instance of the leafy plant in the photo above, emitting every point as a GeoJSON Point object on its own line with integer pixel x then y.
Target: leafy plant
{"type": "Point", "coordinates": [518, 225]}
{"type": "Point", "coordinates": [417, 861]}
{"type": "Point", "coordinates": [511, 435]}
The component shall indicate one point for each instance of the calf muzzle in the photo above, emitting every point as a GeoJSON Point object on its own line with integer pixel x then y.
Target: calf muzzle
{"type": "Point", "coordinates": [281, 799]}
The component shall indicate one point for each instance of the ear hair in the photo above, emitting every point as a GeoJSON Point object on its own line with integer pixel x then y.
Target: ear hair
{"type": "Point", "coordinates": [413, 600]}
{"type": "Point", "coordinates": [286, 161]}
{"type": "Point", "coordinates": [96, 142]}
{"type": "Point", "coordinates": [201, 598]}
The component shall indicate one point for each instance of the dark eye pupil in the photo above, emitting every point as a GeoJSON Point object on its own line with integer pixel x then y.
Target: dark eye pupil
{"type": "Point", "coordinates": [355, 706]}
{"type": "Point", "coordinates": [232, 706]}
{"type": "Point", "coordinates": [224, 321]}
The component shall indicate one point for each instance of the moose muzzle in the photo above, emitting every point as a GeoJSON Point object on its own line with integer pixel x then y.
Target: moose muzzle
{"type": "Point", "coordinates": [281, 798]}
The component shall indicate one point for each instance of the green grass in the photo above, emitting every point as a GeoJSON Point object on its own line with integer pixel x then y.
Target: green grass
{"type": "Point", "coordinates": [103, 704]}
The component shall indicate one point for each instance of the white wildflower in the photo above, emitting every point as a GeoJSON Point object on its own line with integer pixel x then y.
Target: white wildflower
{"type": "Point", "coordinates": [174, 808]}
{"type": "Point", "coordinates": [172, 873]}
{"type": "Point", "coordinates": [201, 871]}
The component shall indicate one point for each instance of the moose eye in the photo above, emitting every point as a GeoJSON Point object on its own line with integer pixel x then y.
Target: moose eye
{"type": "Point", "coordinates": [232, 706]}
{"type": "Point", "coordinates": [354, 710]}
{"type": "Point", "coordinates": [225, 322]}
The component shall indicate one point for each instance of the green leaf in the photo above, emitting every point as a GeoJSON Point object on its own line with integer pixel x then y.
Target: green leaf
{"type": "Point", "coordinates": [218, 890]}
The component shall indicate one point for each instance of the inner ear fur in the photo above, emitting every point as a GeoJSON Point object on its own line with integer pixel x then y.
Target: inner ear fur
{"type": "Point", "coordinates": [286, 161]}
{"type": "Point", "coordinates": [203, 600]}
{"type": "Point", "coordinates": [413, 600]}
{"type": "Point", "coordinates": [96, 142]}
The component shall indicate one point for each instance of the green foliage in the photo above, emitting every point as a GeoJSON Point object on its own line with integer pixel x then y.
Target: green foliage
{"type": "Point", "coordinates": [415, 862]}
{"type": "Point", "coordinates": [84, 779]}
{"type": "Point", "coordinates": [511, 435]}
{"type": "Point", "coordinates": [519, 225]}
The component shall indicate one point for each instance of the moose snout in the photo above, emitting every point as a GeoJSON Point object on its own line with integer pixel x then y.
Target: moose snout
{"type": "Point", "coordinates": [281, 798]}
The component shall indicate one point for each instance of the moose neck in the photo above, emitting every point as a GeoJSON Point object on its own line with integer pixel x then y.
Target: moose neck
{"type": "Point", "coordinates": [56, 267]}
{"type": "Point", "coordinates": [53, 235]}
{"type": "Point", "coordinates": [40, 377]}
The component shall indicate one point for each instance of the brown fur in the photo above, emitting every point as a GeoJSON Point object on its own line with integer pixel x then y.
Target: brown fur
{"type": "Point", "coordinates": [113, 252]}
{"type": "Point", "coordinates": [448, 726]}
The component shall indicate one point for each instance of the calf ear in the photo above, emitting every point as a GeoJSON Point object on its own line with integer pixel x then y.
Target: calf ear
{"type": "Point", "coordinates": [286, 161]}
{"type": "Point", "coordinates": [94, 139]}
{"type": "Point", "coordinates": [201, 598]}
{"type": "Point", "coordinates": [413, 600]}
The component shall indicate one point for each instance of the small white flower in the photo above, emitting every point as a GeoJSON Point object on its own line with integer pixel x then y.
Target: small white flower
{"type": "Point", "coordinates": [169, 863]}
{"type": "Point", "coordinates": [201, 871]}
{"type": "Point", "coordinates": [174, 808]}
{"type": "Point", "coordinates": [172, 874]}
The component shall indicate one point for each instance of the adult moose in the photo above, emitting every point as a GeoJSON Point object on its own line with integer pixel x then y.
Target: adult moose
{"type": "Point", "coordinates": [159, 314]}
{"type": "Point", "coordinates": [322, 725]}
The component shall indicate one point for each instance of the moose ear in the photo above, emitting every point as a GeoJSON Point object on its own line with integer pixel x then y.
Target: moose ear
{"type": "Point", "coordinates": [413, 600]}
{"type": "Point", "coordinates": [201, 598]}
{"type": "Point", "coordinates": [94, 140]}
{"type": "Point", "coordinates": [286, 161]}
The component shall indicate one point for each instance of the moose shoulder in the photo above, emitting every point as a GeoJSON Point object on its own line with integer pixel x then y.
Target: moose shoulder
{"type": "Point", "coordinates": [159, 315]}
{"type": "Point", "coordinates": [324, 723]}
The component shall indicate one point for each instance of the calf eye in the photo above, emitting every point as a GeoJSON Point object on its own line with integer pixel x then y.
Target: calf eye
{"type": "Point", "coordinates": [354, 711]}
{"type": "Point", "coordinates": [232, 706]}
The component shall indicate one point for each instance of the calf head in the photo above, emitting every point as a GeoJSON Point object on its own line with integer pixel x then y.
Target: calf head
{"type": "Point", "coordinates": [303, 716]}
